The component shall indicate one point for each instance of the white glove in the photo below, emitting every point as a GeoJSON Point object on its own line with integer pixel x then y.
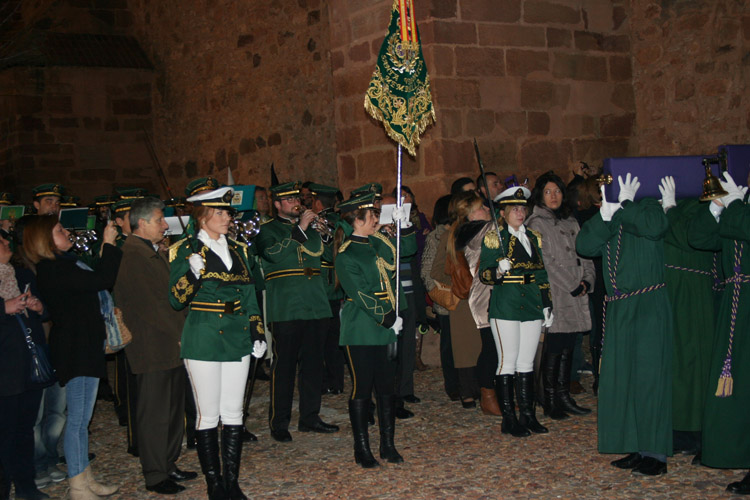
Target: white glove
{"type": "Point", "coordinates": [734, 192]}
{"type": "Point", "coordinates": [608, 209]}
{"type": "Point", "coordinates": [397, 325]}
{"type": "Point", "coordinates": [196, 264]}
{"type": "Point", "coordinates": [715, 207]}
{"type": "Point", "coordinates": [503, 266]}
{"type": "Point", "coordinates": [548, 317]}
{"type": "Point", "coordinates": [628, 188]}
{"type": "Point", "coordinates": [667, 190]}
{"type": "Point", "coordinates": [400, 214]}
{"type": "Point", "coordinates": [259, 348]}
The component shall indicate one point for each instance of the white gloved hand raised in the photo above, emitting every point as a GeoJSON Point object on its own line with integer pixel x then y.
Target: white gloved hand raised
{"type": "Point", "coordinates": [668, 191]}
{"type": "Point", "coordinates": [196, 264]}
{"type": "Point", "coordinates": [397, 325]}
{"type": "Point", "coordinates": [734, 192]}
{"type": "Point", "coordinates": [548, 317]}
{"type": "Point", "coordinates": [400, 214]}
{"type": "Point", "coordinates": [628, 188]}
{"type": "Point", "coordinates": [503, 267]}
{"type": "Point", "coordinates": [608, 209]}
{"type": "Point", "coordinates": [716, 207]}
{"type": "Point", "coordinates": [259, 348]}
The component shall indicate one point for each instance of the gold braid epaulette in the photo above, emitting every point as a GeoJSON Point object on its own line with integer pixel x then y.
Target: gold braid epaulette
{"type": "Point", "coordinates": [538, 237]}
{"type": "Point", "coordinates": [387, 241]}
{"type": "Point", "coordinates": [345, 245]}
{"type": "Point", "coordinates": [243, 246]}
{"type": "Point", "coordinates": [174, 248]}
{"type": "Point", "coordinates": [491, 240]}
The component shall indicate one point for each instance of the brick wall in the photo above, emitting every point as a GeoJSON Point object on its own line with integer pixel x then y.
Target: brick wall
{"type": "Point", "coordinates": [241, 84]}
{"type": "Point", "coordinates": [82, 127]}
{"type": "Point", "coordinates": [541, 85]}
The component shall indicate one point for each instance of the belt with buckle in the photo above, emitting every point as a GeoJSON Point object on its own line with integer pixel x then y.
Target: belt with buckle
{"type": "Point", "coordinates": [524, 279]}
{"type": "Point", "coordinates": [216, 307]}
{"type": "Point", "coordinates": [308, 272]}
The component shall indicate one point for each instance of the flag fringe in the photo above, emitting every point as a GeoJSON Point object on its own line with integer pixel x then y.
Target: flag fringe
{"type": "Point", "coordinates": [726, 384]}
{"type": "Point", "coordinates": [422, 125]}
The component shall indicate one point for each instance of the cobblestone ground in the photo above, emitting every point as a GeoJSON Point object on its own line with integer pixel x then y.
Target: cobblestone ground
{"type": "Point", "coordinates": [450, 453]}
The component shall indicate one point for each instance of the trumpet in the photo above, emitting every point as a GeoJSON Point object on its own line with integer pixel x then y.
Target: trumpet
{"type": "Point", "coordinates": [245, 230]}
{"type": "Point", "coordinates": [320, 223]}
{"type": "Point", "coordinates": [82, 240]}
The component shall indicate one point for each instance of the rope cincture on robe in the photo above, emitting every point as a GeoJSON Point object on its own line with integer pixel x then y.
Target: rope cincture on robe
{"type": "Point", "coordinates": [618, 295]}
{"type": "Point", "coordinates": [726, 382]}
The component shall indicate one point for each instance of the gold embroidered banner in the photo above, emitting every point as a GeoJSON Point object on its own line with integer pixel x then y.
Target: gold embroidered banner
{"type": "Point", "coordinates": [399, 92]}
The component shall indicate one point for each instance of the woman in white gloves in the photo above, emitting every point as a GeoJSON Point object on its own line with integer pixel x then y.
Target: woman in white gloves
{"type": "Point", "coordinates": [212, 276]}
{"type": "Point", "coordinates": [635, 391]}
{"type": "Point", "coordinates": [520, 306]}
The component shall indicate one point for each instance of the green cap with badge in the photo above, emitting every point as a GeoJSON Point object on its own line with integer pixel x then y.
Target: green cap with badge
{"type": "Point", "coordinates": [50, 189]}
{"type": "Point", "coordinates": [203, 184]}
{"type": "Point", "coordinates": [366, 200]}
{"type": "Point", "coordinates": [286, 189]}
{"type": "Point", "coordinates": [69, 201]}
{"type": "Point", "coordinates": [104, 200]}
{"type": "Point", "coordinates": [317, 189]}
{"type": "Point", "coordinates": [373, 187]}
{"type": "Point", "coordinates": [6, 199]}
{"type": "Point", "coordinates": [131, 193]}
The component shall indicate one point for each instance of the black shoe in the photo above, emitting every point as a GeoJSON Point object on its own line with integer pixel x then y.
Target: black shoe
{"type": "Point", "coordinates": [387, 421]}
{"type": "Point", "coordinates": [453, 396]}
{"type": "Point", "coordinates": [526, 403]}
{"type": "Point", "coordinates": [182, 475]}
{"type": "Point", "coordinates": [133, 451]}
{"type": "Point", "coordinates": [319, 426]}
{"type": "Point", "coordinates": [358, 414]}
{"type": "Point", "coordinates": [562, 388]}
{"type": "Point", "coordinates": [469, 404]}
{"type": "Point", "coordinates": [248, 437]}
{"type": "Point", "coordinates": [402, 413]}
{"type": "Point", "coordinates": [551, 403]}
{"type": "Point", "coordinates": [504, 386]}
{"type": "Point", "coordinates": [740, 487]}
{"type": "Point", "coordinates": [696, 459]}
{"type": "Point", "coordinates": [411, 398]}
{"type": "Point", "coordinates": [166, 487]}
{"type": "Point", "coordinates": [650, 466]}
{"type": "Point", "coordinates": [282, 436]}
{"type": "Point", "coordinates": [628, 462]}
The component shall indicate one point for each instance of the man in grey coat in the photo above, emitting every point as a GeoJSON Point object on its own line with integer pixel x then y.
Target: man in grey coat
{"type": "Point", "coordinates": [142, 292]}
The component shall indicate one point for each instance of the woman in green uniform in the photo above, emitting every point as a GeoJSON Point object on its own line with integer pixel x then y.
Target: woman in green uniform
{"type": "Point", "coordinates": [213, 277]}
{"type": "Point", "coordinates": [520, 306]}
{"type": "Point", "coordinates": [365, 265]}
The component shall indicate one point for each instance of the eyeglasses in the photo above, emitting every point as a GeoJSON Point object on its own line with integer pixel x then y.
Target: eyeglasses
{"type": "Point", "coordinates": [290, 199]}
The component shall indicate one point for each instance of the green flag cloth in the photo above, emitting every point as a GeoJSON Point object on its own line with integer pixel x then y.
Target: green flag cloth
{"type": "Point", "coordinates": [399, 92]}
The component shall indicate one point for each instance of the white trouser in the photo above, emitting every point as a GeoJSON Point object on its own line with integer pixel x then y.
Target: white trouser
{"type": "Point", "coordinates": [516, 343]}
{"type": "Point", "coordinates": [219, 389]}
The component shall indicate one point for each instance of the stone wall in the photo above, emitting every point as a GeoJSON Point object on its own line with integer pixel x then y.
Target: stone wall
{"type": "Point", "coordinates": [540, 84]}
{"type": "Point", "coordinates": [691, 74]}
{"type": "Point", "coordinates": [82, 127]}
{"type": "Point", "coordinates": [241, 84]}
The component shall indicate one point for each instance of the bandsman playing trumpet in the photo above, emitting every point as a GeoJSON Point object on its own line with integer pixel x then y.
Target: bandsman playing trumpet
{"type": "Point", "coordinates": [297, 309]}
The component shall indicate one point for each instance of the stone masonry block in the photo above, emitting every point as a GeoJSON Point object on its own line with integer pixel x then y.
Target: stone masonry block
{"type": "Point", "coordinates": [524, 62]}
{"type": "Point", "coordinates": [580, 67]}
{"type": "Point", "coordinates": [353, 82]}
{"type": "Point", "coordinates": [455, 93]}
{"type": "Point", "coordinates": [510, 35]}
{"type": "Point", "coordinates": [545, 155]}
{"type": "Point", "coordinates": [623, 97]}
{"type": "Point", "coordinates": [498, 11]}
{"type": "Point", "coordinates": [449, 157]}
{"type": "Point", "coordinates": [458, 33]}
{"type": "Point", "coordinates": [535, 11]}
{"type": "Point", "coordinates": [501, 93]}
{"type": "Point", "coordinates": [368, 23]}
{"type": "Point", "coordinates": [442, 9]}
{"type": "Point", "coordinates": [472, 61]}
{"type": "Point", "coordinates": [349, 139]}
{"type": "Point", "coordinates": [360, 52]}
{"type": "Point", "coordinates": [131, 106]}
{"type": "Point", "coordinates": [347, 168]}
{"type": "Point", "coordinates": [513, 123]}
{"type": "Point", "coordinates": [442, 60]}
{"type": "Point", "coordinates": [451, 123]}
{"type": "Point", "coordinates": [559, 38]}
{"type": "Point", "coordinates": [539, 123]}
{"type": "Point", "coordinates": [578, 125]}
{"type": "Point", "coordinates": [620, 68]}
{"type": "Point", "coordinates": [480, 122]}
{"type": "Point", "coordinates": [372, 165]}
{"type": "Point", "coordinates": [28, 104]}
{"type": "Point", "coordinates": [543, 95]}
{"type": "Point", "coordinates": [63, 122]}
{"type": "Point", "coordinates": [617, 125]}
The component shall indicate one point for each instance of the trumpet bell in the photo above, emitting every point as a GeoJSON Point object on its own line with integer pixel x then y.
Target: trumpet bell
{"type": "Point", "coordinates": [711, 187]}
{"type": "Point", "coordinates": [604, 179]}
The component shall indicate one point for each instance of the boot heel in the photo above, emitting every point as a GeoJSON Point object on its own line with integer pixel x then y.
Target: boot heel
{"type": "Point", "coordinates": [505, 390]}
{"type": "Point", "coordinates": [387, 420]}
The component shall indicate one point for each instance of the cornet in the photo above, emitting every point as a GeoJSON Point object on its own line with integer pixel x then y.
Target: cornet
{"type": "Point", "coordinates": [82, 240]}
{"type": "Point", "coordinates": [245, 230]}
{"type": "Point", "coordinates": [320, 223]}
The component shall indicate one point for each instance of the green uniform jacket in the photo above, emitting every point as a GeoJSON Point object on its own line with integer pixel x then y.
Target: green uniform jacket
{"type": "Point", "coordinates": [689, 281]}
{"type": "Point", "coordinates": [635, 385]}
{"type": "Point", "coordinates": [290, 258]}
{"type": "Point", "coordinates": [223, 319]}
{"type": "Point", "coordinates": [361, 265]}
{"type": "Point", "coordinates": [326, 267]}
{"type": "Point", "coordinates": [523, 292]}
{"type": "Point", "coordinates": [726, 442]}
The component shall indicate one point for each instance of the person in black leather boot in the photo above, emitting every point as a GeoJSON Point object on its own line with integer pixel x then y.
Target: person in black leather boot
{"type": "Point", "coordinates": [231, 452]}
{"type": "Point", "coordinates": [510, 425]}
{"type": "Point", "coordinates": [207, 445]}
{"type": "Point", "coordinates": [367, 333]}
{"type": "Point", "coordinates": [550, 370]}
{"type": "Point", "coordinates": [562, 390]}
{"type": "Point", "coordinates": [740, 487]}
{"type": "Point", "coordinates": [526, 403]}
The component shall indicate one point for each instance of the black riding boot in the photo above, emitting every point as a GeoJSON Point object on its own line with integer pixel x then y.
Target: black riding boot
{"type": "Point", "coordinates": [562, 390]}
{"type": "Point", "coordinates": [510, 425]}
{"type": "Point", "coordinates": [596, 354]}
{"type": "Point", "coordinates": [526, 411]}
{"type": "Point", "coordinates": [387, 422]}
{"type": "Point", "coordinates": [207, 445]}
{"type": "Point", "coordinates": [231, 451]}
{"type": "Point", "coordinates": [550, 367]}
{"type": "Point", "coordinates": [359, 410]}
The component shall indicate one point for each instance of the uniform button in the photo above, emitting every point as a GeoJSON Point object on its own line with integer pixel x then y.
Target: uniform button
{"type": "Point", "coordinates": [244, 328]}
{"type": "Point", "coordinates": [521, 307]}
{"type": "Point", "coordinates": [221, 332]}
{"type": "Point", "coordinates": [523, 295]}
{"type": "Point", "coordinates": [221, 315]}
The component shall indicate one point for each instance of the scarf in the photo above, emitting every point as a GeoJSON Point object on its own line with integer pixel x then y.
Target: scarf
{"type": "Point", "coordinates": [521, 237]}
{"type": "Point", "coordinates": [8, 283]}
{"type": "Point", "coordinates": [220, 247]}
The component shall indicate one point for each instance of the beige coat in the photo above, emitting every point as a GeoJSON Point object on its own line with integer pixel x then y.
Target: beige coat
{"type": "Point", "coordinates": [565, 270]}
{"type": "Point", "coordinates": [479, 293]}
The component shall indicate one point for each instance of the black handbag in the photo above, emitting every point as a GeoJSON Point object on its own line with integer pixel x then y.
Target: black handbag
{"type": "Point", "coordinates": [41, 372]}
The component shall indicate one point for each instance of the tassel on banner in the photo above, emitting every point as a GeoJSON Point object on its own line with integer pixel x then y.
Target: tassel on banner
{"type": "Point", "coordinates": [726, 384]}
